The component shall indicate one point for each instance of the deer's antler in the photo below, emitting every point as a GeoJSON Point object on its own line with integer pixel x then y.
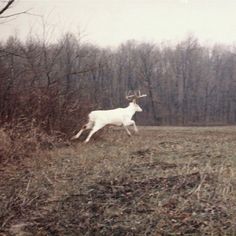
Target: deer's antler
{"type": "Point", "coordinates": [136, 95]}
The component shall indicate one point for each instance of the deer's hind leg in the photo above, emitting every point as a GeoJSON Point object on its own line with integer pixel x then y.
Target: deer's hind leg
{"type": "Point", "coordinates": [89, 125]}
{"type": "Point", "coordinates": [95, 128]}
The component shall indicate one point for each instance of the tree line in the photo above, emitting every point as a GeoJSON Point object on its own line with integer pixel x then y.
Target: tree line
{"type": "Point", "coordinates": [55, 85]}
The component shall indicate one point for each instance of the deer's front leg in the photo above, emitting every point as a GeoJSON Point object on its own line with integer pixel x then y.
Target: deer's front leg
{"type": "Point", "coordinates": [131, 122]}
{"type": "Point", "coordinates": [127, 130]}
{"type": "Point", "coordinates": [135, 127]}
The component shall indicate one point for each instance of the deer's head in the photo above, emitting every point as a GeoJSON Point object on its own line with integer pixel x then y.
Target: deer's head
{"type": "Point", "coordinates": [133, 97]}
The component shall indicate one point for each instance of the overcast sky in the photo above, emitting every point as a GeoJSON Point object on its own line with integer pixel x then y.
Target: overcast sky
{"type": "Point", "coordinates": [111, 22]}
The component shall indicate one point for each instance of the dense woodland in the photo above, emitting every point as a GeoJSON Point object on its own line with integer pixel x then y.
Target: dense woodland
{"type": "Point", "coordinates": [56, 84]}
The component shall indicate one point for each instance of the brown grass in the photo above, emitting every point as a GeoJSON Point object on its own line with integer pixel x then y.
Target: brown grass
{"type": "Point", "coordinates": [164, 181]}
{"type": "Point", "coordinates": [23, 139]}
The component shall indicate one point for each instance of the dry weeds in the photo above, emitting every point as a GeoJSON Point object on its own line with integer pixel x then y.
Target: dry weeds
{"type": "Point", "coordinates": [164, 181]}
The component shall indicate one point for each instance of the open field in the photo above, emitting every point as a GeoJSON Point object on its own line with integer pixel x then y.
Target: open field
{"type": "Point", "coordinates": [164, 181]}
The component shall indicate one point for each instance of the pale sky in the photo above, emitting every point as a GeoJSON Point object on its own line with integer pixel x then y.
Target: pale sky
{"type": "Point", "coordinates": [111, 22]}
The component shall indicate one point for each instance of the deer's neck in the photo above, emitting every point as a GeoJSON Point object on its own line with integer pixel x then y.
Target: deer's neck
{"type": "Point", "coordinates": [130, 109]}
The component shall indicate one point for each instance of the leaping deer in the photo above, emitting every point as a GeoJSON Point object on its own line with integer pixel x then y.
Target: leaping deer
{"type": "Point", "coordinates": [118, 117]}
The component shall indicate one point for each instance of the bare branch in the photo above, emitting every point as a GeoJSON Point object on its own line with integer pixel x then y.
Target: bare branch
{"type": "Point", "coordinates": [16, 14]}
{"type": "Point", "coordinates": [7, 6]}
{"type": "Point", "coordinates": [6, 53]}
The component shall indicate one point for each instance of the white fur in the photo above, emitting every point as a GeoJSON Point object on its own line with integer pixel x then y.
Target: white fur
{"type": "Point", "coordinates": [119, 117]}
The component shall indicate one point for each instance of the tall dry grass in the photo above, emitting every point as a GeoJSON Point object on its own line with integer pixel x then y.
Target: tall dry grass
{"type": "Point", "coordinates": [24, 139]}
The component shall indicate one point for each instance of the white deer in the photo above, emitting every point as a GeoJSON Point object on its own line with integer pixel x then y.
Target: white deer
{"type": "Point", "coordinates": [118, 117]}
